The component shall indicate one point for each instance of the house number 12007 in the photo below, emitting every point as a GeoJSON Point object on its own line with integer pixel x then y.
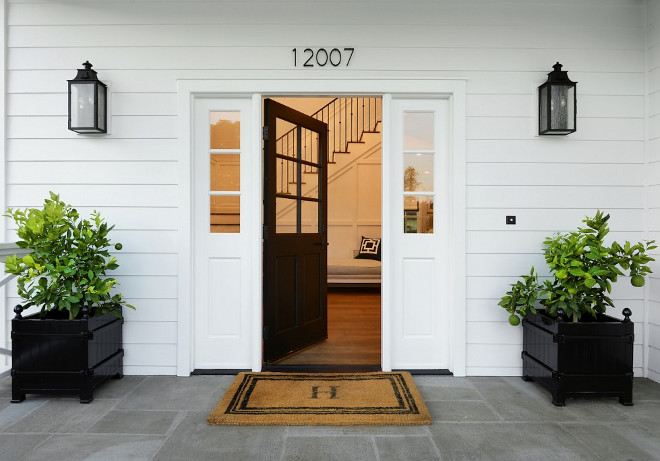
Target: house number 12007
{"type": "Point", "coordinates": [321, 57]}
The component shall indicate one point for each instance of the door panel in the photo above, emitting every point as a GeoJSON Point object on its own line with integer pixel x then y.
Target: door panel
{"type": "Point", "coordinates": [295, 231]}
{"type": "Point", "coordinates": [221, 273]}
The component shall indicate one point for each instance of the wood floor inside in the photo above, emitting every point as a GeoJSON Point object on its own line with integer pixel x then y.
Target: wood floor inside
{"type": "Point", "coordinates": [353, 332]}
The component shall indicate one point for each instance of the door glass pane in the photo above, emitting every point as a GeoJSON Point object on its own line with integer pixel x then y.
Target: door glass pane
{"type": "Point", "coordinates": [286, 214]}
{"type": "Point", "coordinates": [417, 214]}
{"type": "Point", "coordinates": [418, 131]}
{"type": "Point", "coordinates": [310, 146]}
{"type": "Point", "coordinates": [225, 172]}
{"type": "Point", "coordinates": [287, 176]}
{"type": "Point", "coordinates": [310, 186]}
{"type": "Point", "coordinates": [418, 172]}
{"type": "Point", "coordinates": [310, 217]}
{"type": "Point", "coordinates": [287, 138]}
{"type": "Point", "coordinates": [225, 130]}
{"type": "Point", "coordinates": [225, 214]}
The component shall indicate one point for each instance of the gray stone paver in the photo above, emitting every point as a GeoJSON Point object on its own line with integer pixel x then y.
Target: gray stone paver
{"type": "Point", "coordinates": [164, 418]}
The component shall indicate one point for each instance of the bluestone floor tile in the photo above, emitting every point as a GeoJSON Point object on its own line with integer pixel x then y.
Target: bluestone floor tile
{"type": "Point", "coordinates": [607, 443]}
{"type": "Point", "coordinates": [419, 448]}
{"type": "Point", "coordinates": [16, 446]}
{"type": "Point", "coordinates": [354, 448]}
{"type": "Point", "coordinates": [193, 439]}
{"type": "Point", "coordinates": [62, 416]}
{"type": "Point", "coordinates": [134, 422]}
{"type": "Point", "coordinates": [97, 447]}
{"type": "Point", "coordinates": [508, 441]}
{"type": "Point", "coordinates": [194, 393]}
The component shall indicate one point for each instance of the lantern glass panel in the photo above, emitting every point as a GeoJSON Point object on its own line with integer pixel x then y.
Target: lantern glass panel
{"type": "Point", "coordinates": [543, 113]}
{"type": "Point", "coordinates": [100, 89]}
{"type": "Point", "coordinates": [562, 107]}
{"type": "Point", "coordinates": [82, 105]}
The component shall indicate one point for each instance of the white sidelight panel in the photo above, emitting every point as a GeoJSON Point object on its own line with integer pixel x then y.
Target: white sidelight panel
{"type": "Point", "coordinates": [420, 226]}
{"type": "Point", "coordinates": [220, 279]}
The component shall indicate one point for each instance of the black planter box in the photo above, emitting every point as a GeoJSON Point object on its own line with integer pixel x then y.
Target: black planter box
{"type": "Point", "coordinates": [592, 357]}
{"type": "Point", "coordinates": [56, 355]}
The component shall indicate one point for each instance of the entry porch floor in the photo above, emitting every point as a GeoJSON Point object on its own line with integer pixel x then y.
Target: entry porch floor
{"type": "Point", "coordinates": [163, 418]}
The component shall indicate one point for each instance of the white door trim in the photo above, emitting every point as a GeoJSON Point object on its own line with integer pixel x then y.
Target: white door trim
{"type": "Point", "coordinates": [453, 89]}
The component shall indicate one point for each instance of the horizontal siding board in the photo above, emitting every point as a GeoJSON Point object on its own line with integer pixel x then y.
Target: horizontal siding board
{"type": "Point", "coordinates": [484, 81]}
{"type": "Point", "coordinates": [162, 242]}
{"type": "Point", "coordinates": [526, 128]}
{"type": "Point", "coordinates": [85, 148]}
{"type": "Point", "coordinates": [523, 241]}
{"type": "Point", "coordinates": [544, 150]}
{"type": "Point", "coordinates": [541, 174]}
{"type": "Point", "coordinates": [549, 197]}
{"type": "Point", "coordinates": [151, 310]}
{"type": "Point", "coordinates": [498, 265]}
{"type": "Point", "coordinates": [84, 195]}
{"type": "Point", "coordinates": [147, 370]}
{"type": "Point", "coordinates": [55, 104]}
{"type": "Point", "coordinates": [140, 264]}
{"type": "Point", "coordinates": [149, 332]}
{"type": "Point", "coordinates": [321, 35]}
{"type": "Point", "coordinates": [151, 355]}
{"type": "Point", "coordinates": [494, 371]}
{"type": "Point", "coordinates": [55, 127]}
{"type": "Point", "coordinates": [434, 13]}
{"type": "Point", "coordinates": [494, 355]}
{"type": "Point", "coordinates": [522, 105]}
{"type": "Point", "coordinates": [495, 333]}
{"type": "Point", "coordinates": [367, 58]}
{"type": "Point", "coordinates": [57, 172]}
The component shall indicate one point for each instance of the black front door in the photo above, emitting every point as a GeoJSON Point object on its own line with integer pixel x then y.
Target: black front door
{"type": "Point", "coordinates": [295, 231]}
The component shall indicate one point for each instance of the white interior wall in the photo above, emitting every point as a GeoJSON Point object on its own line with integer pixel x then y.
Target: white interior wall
{"type": "Point", "coordinates": [653, 180]}
{"type": "Point", "coordinates": [504, 49]}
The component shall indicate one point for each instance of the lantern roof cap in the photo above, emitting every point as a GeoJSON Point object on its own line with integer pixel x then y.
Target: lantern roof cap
{"type": "Point", "coordinates": [558, 75]}
{"type": "Point", "coordinates": [85, 74]}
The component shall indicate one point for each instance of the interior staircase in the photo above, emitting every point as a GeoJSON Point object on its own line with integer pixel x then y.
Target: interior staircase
{"type": "Point", "coordinates": [353, 127]}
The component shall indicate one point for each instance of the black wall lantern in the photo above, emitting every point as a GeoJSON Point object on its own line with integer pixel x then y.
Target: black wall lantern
{"type": "Point", "coordinates": [87, 102]}
{"type": "Point", "coordinates": [557, 104]}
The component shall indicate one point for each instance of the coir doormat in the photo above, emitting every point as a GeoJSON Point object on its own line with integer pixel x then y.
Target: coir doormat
{"type": "Point", "coordinates": [311, 399]}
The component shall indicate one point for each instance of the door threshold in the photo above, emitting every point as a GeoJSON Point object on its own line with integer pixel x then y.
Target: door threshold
{"type": "Point", "coordinates": [321, 368]}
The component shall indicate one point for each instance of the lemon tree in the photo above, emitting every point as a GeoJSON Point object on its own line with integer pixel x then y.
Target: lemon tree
{"type": "Point", "coordinates": [582, 271]}
{"type": "Point", "coordinates": [68, 260]}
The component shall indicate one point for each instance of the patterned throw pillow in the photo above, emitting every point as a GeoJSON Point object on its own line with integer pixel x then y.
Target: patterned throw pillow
{"type": "Point", "coordinates": [369, 249]}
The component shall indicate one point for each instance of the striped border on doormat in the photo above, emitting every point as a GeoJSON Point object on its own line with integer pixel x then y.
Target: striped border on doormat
{"type": "Point", "coordinates": [316, 399]}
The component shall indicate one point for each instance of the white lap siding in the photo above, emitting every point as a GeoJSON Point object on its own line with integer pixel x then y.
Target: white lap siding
{"type": "Point", "coordinates": [504, 50]}
{"type": "Point", "coordinates": [653, 181]}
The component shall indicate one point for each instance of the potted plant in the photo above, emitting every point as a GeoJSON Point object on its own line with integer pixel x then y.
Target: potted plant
{"type": "Point", "coordinates": [74, 342]}
{"type": "Point", "coordinates": [570, 345]}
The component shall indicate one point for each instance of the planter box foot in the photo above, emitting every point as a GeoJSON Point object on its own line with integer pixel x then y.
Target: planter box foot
{"type": "Point", "coordinates": [527, 378]}
{"type": "Point", "coordinates": [17, 397]}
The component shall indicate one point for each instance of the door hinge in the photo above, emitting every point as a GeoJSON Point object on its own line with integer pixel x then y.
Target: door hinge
{"type": "Point", "coordinates": [265, 332]}
{"type": "Point", "coordinates": [265, 236]}
{"type": "Point", "coordinates": [264, 133]}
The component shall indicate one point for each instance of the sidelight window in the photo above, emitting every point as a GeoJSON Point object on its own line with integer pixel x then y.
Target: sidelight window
{"type": "Point", "coordinates": [225, 168]}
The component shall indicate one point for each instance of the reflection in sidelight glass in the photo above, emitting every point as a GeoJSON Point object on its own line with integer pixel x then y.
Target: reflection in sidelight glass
{"type": "Point", "coordinates": [418, 172]}
{"type": "Point", "coordinates": [418, 131]}
{"type": "Point", "coordinates": [225, 130]}
{"type": "Point", "coordinates": [225, 214]}
{"type": "Point", "coordinates": [225, 172]}
{"type": "Point", "coordinates": [418, 214]}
